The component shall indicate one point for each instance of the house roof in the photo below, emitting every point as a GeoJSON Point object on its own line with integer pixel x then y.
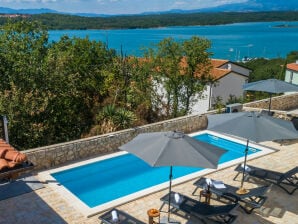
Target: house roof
{"type": "Point", "coordinates": [293, 66]}
{"type": "Point", "coordinates": [9, 156]}
{"type": "Point", "coordinates": [216, 63]}
{"type": "Point", "coordinates": [5, 145]}
{"type": "Point", "coordinates": [216, 71]}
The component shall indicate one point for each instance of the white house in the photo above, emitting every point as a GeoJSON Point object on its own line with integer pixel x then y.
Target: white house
{"type": "Point", "coordinates": [292, 73]}
{"type": "Point", "coordinates": [229, 77]}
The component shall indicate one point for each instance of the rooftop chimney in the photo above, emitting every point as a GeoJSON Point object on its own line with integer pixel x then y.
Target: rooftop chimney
{"type": "Point", "coordinates": [229, 66]}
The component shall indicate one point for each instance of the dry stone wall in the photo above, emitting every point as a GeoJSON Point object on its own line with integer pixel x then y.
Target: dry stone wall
{"type": "Point", "coordinates": [61, 154]}
{"type": "Point", "coordinates": [284, 102]}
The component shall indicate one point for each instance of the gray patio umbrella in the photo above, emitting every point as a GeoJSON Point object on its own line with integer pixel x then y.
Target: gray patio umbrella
{"type": "Point", "coordinates": [271, 86]}
{"type": "Point", "coordinates": [173, 148]}
{"type": "Point", "coordinates": [253, 127]}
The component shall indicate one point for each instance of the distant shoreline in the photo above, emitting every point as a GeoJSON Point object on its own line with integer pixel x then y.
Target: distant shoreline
{"type": "Point", "coordinates": [285, 26]}
{"type": "Point", "coordinates": [70, 22]}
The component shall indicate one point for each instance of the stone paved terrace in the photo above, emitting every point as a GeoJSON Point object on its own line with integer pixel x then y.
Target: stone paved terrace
{"type": "Point", "coordinates": [45, 206]}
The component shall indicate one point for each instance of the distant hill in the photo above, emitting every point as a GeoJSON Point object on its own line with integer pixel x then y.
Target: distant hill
{"type": "Point", "coordinates": [4, 10]}
{"type": "Point", "coordinates": [256, 6]}
{"type": "Point", "coordinates": [249, 6]}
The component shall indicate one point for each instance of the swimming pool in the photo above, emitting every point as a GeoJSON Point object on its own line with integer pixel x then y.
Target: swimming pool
{"type": "Point", "coordinates": [114, 179]}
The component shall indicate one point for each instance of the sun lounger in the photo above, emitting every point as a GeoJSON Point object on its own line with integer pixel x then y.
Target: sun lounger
{"type": "Point", "coordinates": [202, 211]}
{"type": "Point", "coordinates": [116, 216]}
{"type": "Point", "coordinates": [287, 181]}
{"type": "Point", "coordinates": [253, 199]}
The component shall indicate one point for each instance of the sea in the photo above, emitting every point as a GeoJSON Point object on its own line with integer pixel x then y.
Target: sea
{"type": "Point", "coordinates": [235, 42]}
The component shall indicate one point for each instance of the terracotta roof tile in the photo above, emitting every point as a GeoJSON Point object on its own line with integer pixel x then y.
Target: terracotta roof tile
{"type": "Point", "coordinates": [218, 62]}
{"type": "Point", "coordinates": [9, 156]}
{"type": "Point", "coordinates": [293, 66]}
{"type": "Point", "coordinates": [217, 73]}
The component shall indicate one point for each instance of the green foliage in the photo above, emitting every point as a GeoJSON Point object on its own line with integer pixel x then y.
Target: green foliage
{"type": "Point", "coordinates": [124, 118]}
{"type": "Point", "coordinates": [141, 96]}
{"type": "Point", "coordinates": [77, 71]}
{"type": "Point", "coordinates": [264, 68]}
{"type": "Point", "coordinates": [267, 69]}
{"type": "Point", "coordinates": [49, 92]}
{"type": "Point", "coordinates": [23, 47]}
{"type": "Point", "coordinates": [218, 104]}
{"type": "Point", "coordinates": [292, 56]}
{"type": "Point", "coordinates": [113, 119]}
{"type": "Point", "coordinates": [61, 91]}
{"type": "Point", "coordinates": [181, 70]}
{"type": "Point", "coordinates": [233, 99]}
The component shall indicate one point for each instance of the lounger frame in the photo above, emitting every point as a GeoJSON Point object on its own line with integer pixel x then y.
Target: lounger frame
{"type": "Point", "coordinates": [287, 181]}
{"type": "Point", "coordinates": [124, 218]}
{"type": "Point", "coordinates": [253, 199]}
{"type": "Point", "coordinates": [201, 211]}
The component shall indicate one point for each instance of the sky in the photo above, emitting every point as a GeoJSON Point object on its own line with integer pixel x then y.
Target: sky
{"type": "Point", "coordinates": [114, 7]}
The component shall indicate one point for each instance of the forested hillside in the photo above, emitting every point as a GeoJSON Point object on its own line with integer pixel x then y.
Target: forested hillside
{"type": "Point", "coordinates": [59, 21]}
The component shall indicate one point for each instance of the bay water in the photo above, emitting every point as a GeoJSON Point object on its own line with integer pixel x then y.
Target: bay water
{"type": "Point", "coordinates": [232, 41]}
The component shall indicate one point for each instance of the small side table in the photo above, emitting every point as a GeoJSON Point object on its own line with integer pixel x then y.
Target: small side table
{"type": "Point", "coordinates": [152, 214]}
{"type": "Point", "coordinates": [206, 195]}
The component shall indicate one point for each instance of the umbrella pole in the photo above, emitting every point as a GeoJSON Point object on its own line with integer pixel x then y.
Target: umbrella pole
{"type": "Point", "coordinates": [170, 190]}
{"type": "Point", "coordinates": [242, 190]}
{"type": "Point", "coordinates": [270, 103]}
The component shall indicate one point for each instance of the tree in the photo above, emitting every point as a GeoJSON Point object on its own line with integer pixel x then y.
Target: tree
{"type": "Point", "coordinates": [50, 92]}
{"type": "Point", "coordinates": [78, 82]}
{"type": "Point", "coordinates": [142, 97]}
{"type": "Point", "coordinates": [263, 69]}
{"type": "Point", "coordinates": [292, 56]}
{"type": "Point", "coordinates": [181, 71]}
{"type": "Point", "coordinates": [198, 66]}
{"type": "Point", "coordinates": [23, 46]}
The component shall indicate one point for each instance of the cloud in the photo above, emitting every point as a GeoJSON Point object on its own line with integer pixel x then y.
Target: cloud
{"type": "Point", "coordinates": [179, 3]}
{"type": "Point", "coordinates": [108, 1]}
{"type": "Point", "coordinates": [27, 1]}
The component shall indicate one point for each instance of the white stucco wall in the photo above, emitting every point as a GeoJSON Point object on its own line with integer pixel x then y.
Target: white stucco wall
{"type": "Point", "coordinates": [230, 84]}
{"type": "Point", "coordinates": [202, 106]}
{"type": "Point", "coordinates": [288, 76]}
{"type": "Point", "coordinates": [294, 78]}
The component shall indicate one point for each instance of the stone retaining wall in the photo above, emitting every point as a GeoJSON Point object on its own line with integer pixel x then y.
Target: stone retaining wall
{"type": "Point", "coordinates": [60, 154]}
{"type": "Point", "coordinates": [284, 102]}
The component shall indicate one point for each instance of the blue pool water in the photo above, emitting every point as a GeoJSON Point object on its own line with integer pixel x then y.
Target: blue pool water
{"type": "Point", "coordinates": [106, 180]}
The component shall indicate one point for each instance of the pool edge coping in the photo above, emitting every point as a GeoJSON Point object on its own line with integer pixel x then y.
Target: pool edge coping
{"type": "Point", "coordinates": [89, 212]}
